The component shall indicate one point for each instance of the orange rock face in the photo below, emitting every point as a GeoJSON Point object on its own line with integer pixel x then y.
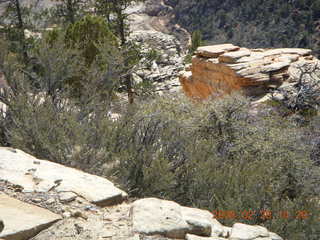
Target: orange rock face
{"type": "Point", "coordinates": [221, 69]}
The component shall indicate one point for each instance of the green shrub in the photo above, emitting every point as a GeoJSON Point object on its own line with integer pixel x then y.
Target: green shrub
{"type": "Point", "coordinates": [218, 156]}
{"type": "Point", "coordinates": [44, 117]}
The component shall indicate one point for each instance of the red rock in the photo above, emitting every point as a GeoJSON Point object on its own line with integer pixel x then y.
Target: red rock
{"type": "Point", "coordinates": [225, 68]}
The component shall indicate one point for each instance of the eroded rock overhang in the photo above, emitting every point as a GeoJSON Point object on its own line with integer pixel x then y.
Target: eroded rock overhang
{"type": "Point", "coordinates": [222, 69]}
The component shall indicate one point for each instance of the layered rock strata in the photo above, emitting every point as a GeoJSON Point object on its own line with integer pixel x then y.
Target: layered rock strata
{"type": "Point", "coordinates": [222, 69]}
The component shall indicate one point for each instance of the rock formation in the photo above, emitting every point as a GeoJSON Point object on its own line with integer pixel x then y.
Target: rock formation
{"type": "Point", "coordinates": [36, 175]}
{"type": "Point", "coordinates": [151, 28]}
{"type": "Point", "coordinates": [222, 69]}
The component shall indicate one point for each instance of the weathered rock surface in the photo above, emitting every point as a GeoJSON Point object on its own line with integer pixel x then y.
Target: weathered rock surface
{"type": "Point", "coordinates": [23, 221]}
{"type": "Point", "coordinates": [163, 72]}
{"type": "Point", "coordinates": [67, 197]}
{"type": "Point", "coordinates": [154, 216]}
{"type": "Point", "coordinates": [222, 69]}
{"type": "Point", "coordinates": [246, 232]}
{"type": "Point", "coordinates": [215, 50]}
{"type": "Point", "coordinates": [36, 175]}
{"type": "Point", "coordinates": [201, 222]}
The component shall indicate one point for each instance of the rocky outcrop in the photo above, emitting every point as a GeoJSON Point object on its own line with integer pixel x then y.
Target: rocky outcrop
{"type": "Point", "coordinates": [163, 72]}
{"type": "Point", "coordinates": [151, 28]}
{"type": "Point", "coordinates": [222, 69]}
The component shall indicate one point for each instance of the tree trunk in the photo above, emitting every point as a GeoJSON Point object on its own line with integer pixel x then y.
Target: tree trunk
{"type": "Point", "coordinates": [70, 13]}
{"type": "Point", "coordinates": [20, 26]}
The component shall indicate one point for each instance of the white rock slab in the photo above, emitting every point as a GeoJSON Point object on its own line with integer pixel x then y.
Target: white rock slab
{"type": "Point", "coordinates": [232, 57]}
{"type": "Point", "coordinates": [36, 175]}
{"type": "Point", "coordinates": [278, 51]}
{"type": "Point", "coordinates": [242, 231]}
{"type": "Point", "coordinates": [152, 216]}
{"type": "Point", "coordinates": [23, 221]}
{"type": "Point", "coordinates": [201, 222]}
{"type": "Point", "coordinates": [66, 197]}
{"type": "Point", "coordinates": [215, 50]}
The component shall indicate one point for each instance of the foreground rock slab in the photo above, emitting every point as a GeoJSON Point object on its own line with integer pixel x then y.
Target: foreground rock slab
{"type": "Point", "coordinates": [23, 221]}
{"type": "Point", "coordinates": [152, 216]}
{"type": "Point", "coordinates": [36, 175]}
{"type": "Point", "coordinates": [247, 232]}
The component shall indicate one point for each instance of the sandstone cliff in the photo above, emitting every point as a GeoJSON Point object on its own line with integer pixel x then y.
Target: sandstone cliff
{"type": "Point", "coordinates": [221, 69]}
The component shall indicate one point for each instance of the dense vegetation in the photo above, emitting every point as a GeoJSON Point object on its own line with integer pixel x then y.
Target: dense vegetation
{"type": "Point", "coordinates": [65, 88]}
{"type": "Point", "coordinates": [252, 23]}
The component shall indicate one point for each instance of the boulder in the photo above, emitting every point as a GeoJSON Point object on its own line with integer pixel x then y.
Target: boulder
{"type": "Point", "coordinates": [201, 222]}
{"type": "Point", "coordinates": [35, 175]}
{"type": "Point", "coordinates": [23, 221]}
{"type": "Point", "coordinates": [242, 231]}
{"type": "Point", "coordinates": [221, 69]}
{"type": "Point", "coordinates": [152, 216]}
{"type": "Point", "coordinates": [66, 197]}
